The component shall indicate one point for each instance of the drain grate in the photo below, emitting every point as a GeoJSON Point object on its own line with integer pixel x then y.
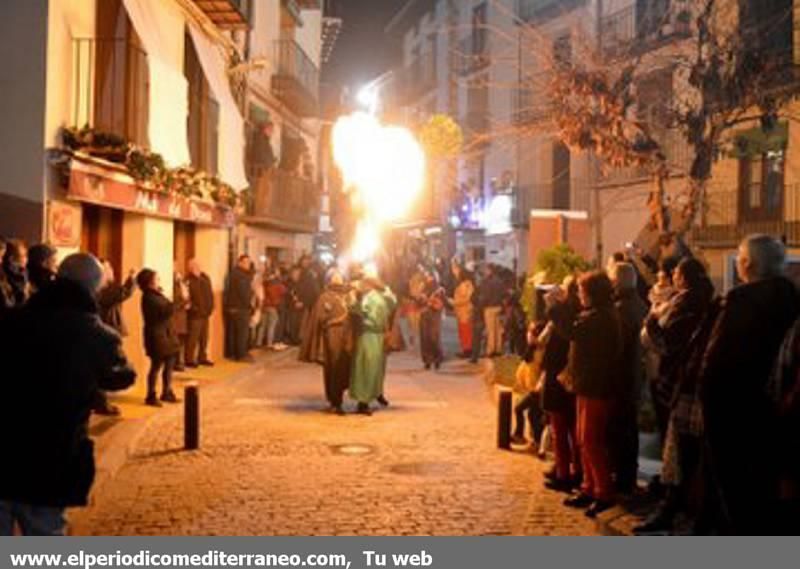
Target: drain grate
{"type": "Point", "coordinates": [353, 449]}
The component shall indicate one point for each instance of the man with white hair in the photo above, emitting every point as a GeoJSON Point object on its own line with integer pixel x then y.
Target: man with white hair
{"type": "Point", "coordinates": [624, 429]}
{"type": "Point", "coordinates": [737, 409]}
{"type": "Point", "coordinates": [60, 353]}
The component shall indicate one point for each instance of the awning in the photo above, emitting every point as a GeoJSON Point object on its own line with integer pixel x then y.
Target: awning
{"type": "Point", "coordinates": [231, 123]}
{"type": "Point", "coordinates": [160, 26]}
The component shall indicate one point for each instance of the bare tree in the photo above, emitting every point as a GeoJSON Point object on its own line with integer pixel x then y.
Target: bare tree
{"type": "Point", "coordinates": [736, 70]}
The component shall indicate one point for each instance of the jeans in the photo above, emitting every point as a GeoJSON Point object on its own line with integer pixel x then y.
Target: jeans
{"type": "Point", "coordinates": [477, 338]}
{"type": "Point", "coordinates": [565, 445]}
{"type": "Point", "coordinates": [156, 365]}
{"type": "Point", "coordinates": [271, 322]}
{"type": "Point", "coordinates": [529, 403]}
{"type": "Point", "coordinates": [32, 520]}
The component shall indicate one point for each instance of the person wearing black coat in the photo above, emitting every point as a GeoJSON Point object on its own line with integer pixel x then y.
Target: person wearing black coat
{"type": "Point", "coordinates": [110, 299]}
{"type": "Point", "coordinates": [61, 354]}
{"type": "Point", "coordinates": [238, 307]}
{"type": "Point", "coordinates": [14, 262]}
{"type": "Point", "coordinates": [737, 409]}
{"type": "Point", "coordinates": [160, 341]}
{"type": "Point", "coordinates": [593, 366]}
{"type": "Point", "coordinates": [684, 330]}
{"type": "Point", "coordinates": [201, 306]}
{"type": "Point", "coordinates": [557, 402]}
{"type": "Point", "coordinates": [624, 427]}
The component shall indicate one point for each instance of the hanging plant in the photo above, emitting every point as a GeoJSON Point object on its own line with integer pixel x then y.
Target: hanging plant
{"type": "Point", "coordinates": [149, 168]}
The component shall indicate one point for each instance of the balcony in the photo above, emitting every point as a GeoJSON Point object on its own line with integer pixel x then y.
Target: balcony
{"type": "Point", "coordinates": [282, 199]}
{"type": "Point", "coordinates": [529, 110]}
{"type": "Point", "coordinates": [111, 87]}
{"type": "Point", "coordinates": [227, 14]}
{"type": "Point", "coordinates": [296, 79]}
{"type": "Point", "coordinates": [727, 217]}
{"type": "Point", "coordinates": [539, 11]}
{"type": "Point", "coordinates": [473, 53]}
{"type": "Point", "coordinates": [679, 161]}
{"type": "Point", "coordinates": [643, 26]}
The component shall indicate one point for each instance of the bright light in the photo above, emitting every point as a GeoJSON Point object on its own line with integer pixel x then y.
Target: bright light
{"type": "Point", "coordinates": [368, 98]}
{"type": "Point", "coordinates": [366, 242]}
{"type": "Point", "coordinates": [498, 216]}
{"type": "Point", "coordinates": [384, 168]}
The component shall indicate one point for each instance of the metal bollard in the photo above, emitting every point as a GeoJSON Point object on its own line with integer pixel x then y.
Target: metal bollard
{"type": "Point", "coordinates": [191, 418]}
{"type": "Point", "coordinates": [504, 419]}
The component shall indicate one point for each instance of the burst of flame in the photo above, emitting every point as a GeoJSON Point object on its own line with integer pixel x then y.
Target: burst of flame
{"type": "Point", "coordinates": [384, 168]}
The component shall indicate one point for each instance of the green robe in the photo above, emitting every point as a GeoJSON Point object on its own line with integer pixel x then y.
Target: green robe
{"type": "Point", "coordinates": [369, 361]}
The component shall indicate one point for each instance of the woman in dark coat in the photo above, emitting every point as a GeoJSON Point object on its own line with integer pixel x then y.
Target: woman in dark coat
{"type": "Point", "coordinates": [593, 366]}
{"type": "Point", "coordinates": [683, 334]}
{"type": "Point", "coordinates": [432, 302]}
{"type": "Point", "coordinates": [160, 341]}
{"type": "Point", "coordinates": [16, 277]}
{"type": "Point", "coordinates": [557, 401]}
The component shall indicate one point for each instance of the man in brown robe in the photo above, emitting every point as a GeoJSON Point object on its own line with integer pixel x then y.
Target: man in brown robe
{"type": "Point", "coordinates": [329, 341]}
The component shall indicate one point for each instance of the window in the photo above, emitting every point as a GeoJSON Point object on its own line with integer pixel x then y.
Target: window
{"type": "Point", "coordinates": [767, 25]}
{"type": "Point", "coordinates": [203, 120]}
{"type": "Point", "coordinates": [479, 28]}
{"type": "Point", "coordinates": [120, 74]}
{"type": "Point", "coordinates": [761, 183]}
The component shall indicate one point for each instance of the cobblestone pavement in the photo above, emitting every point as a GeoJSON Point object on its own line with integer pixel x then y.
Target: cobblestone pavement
{"type": "Point", "coordinates": [272, 463]}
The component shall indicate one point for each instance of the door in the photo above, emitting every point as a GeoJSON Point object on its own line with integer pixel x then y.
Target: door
{"type": "Point", "coordinates": [101, 235]}
{"type": "Point", "coordinates": [183, 244]}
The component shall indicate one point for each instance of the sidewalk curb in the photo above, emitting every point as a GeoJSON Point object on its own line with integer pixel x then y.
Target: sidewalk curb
{"type": "Point", "coordinates": [114, 446]}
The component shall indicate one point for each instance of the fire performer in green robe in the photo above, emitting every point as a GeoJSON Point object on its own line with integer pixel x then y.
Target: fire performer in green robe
{"type": "Point", "coordinates": [374, 309]}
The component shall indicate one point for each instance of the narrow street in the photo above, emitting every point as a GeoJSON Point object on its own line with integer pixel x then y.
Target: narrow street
{"type": "Point", "coordinates": [272, 463]}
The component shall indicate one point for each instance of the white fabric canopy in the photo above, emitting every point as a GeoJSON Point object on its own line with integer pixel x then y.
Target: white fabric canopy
{"type": "Point", "coordinates": [231, 123]}
{"type": "Point", "coordinates": [160, 25]}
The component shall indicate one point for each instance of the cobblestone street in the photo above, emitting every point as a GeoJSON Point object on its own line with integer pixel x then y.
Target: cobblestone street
{"type": "Point", "coordinates": [272, 463]}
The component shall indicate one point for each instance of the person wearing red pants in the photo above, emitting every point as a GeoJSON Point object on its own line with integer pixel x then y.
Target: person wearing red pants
{"type": "Point", "coordinates": [593, 364]}
{"type": "Point", "coordinates": [462, 307]}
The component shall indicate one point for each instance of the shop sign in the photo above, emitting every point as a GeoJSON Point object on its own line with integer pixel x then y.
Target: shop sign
{"type": "Point", "coordinates": [64, 224]}
{"type": "Point", "coordinates": [88, 183]}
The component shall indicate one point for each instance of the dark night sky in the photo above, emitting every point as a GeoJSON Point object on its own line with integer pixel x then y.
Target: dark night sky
{"type": "Point", "coordinates": [362, 51]}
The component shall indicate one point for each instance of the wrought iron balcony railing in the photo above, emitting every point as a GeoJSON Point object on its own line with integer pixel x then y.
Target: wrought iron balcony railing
{"type": "Point", "coordinates": [227, 14]}
{"type": "Point", "coordinates": [282, 198]}
{"type": "Point", "coordinates": [643, 26]}
{"type": "Point", "coordinates": [728, 216]}
{"type": "Point", "coordinates": [296, 78]}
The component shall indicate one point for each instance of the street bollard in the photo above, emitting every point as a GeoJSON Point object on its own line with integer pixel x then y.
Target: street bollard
{"type": "Point", "coordinates": [504, 419]}
{"type": "Point", "coordinates": [191, 418]}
